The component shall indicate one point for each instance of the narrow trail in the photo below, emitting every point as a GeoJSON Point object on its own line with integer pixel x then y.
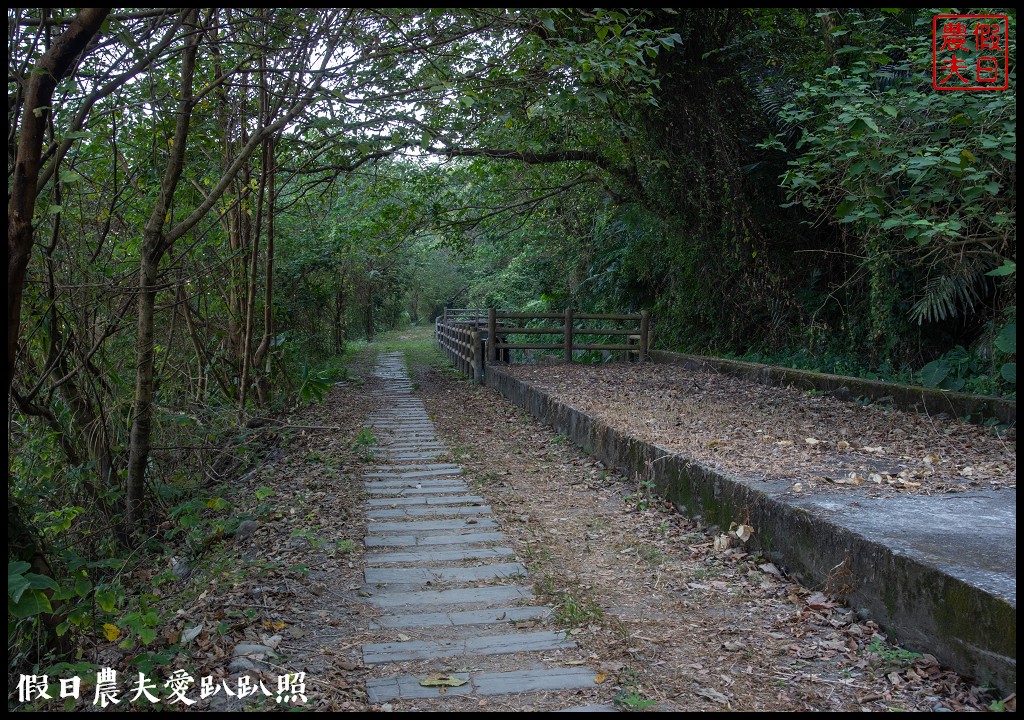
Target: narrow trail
{"type": "Point", "coordinates": [468, 558]}
{"type": "Point", "coordinates": [440, 569]}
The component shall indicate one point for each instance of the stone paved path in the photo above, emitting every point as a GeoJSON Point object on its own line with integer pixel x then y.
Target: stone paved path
{"type": "Point", "coordinates": [439, 571]}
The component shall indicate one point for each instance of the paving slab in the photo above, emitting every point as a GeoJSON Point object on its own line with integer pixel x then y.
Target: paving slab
{"type": "Point", "coordinates": [451, 500]}
{"type": "Point", "coordinates": [413, 473]}
{"type": "Point", "coordinates": [435, 556]}
{"type": "Point", "coordinates": [430, 511]}
{"type": "Point", "coordinates": [459, 597]}
{"type": "Point", "coordinates": [416, 456]}
{"type": "Point", "coordinates": [412, 490]}
{"type": "Point", "coordinates": [381, 690]}
{"type": "Point", "coordinates": [407, 446]}
{"type": "Point", "coordinates": [377, 653]}
{"type": "Point", "coordinates": [491, 616]}
{"type": "Point", "coordinates": [483, 683]}
{"type": "Point", "coordinates": [455, 574]}
{"type": "Point", "coordinates": [398, 425]}
{"type": "Point", "coordinates": [432, 539]}
{"type": "Point", "coordinates": [384, 467]}
{"type": "Point", "coordinates": [404, 527]}
{"type": "Point", "coordinates": [388, 434]}
{"type": "Point", "coordinates": [427, 482]}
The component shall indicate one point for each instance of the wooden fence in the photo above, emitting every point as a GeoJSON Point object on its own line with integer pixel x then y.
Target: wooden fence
{"type": "Point", "coordinates": [473, 337]}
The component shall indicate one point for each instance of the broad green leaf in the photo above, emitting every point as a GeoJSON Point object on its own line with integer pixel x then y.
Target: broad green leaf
{"type": "Point", "coordinates": [82, 586]}
{"type": "Point", "coordinates": [41, 582]}
{"type": "Point", "coordinates": [31, 603]}
{"type": "Point", "coordinates": [106, 600]}
{"type": "Point", "coordinates": [1009, 267]}
{"type": "Point", "coordinates": [934, 373]}
{"type": "Point", "coordinates": [1009, 372]}
{"type": "Point", "coordinates": [1006, 341]}
{"type": "Point", "coordinates": [16, 586]}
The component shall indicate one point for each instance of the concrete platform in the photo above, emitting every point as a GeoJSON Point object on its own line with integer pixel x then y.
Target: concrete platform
{"type": "Point", "coordinates": [938, 573]}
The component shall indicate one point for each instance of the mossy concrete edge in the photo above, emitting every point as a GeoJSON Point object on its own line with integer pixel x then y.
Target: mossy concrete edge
{"type": "Point", "coordinates": [966, 627]}
{"type": "Point", "coordinates": [977, 408]}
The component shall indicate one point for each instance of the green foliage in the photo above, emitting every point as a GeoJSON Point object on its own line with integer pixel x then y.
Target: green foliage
{"type": "Point", "coordinates": [892, 655]}
{"type": "Point", "coordinates": [644, 495]}
{"type": "Point", "coordinates": [630, 696]}
{"type": "Point", "coordinates": [950, 371]}
{"type": "Point", "coordinates": [26, 591]}
{"type": "Point", "coordinates": [925, 184]}
{"type": "Point", "coordinates": [314, 386]}
{"type": "Point", "coordinates": [263, 492]}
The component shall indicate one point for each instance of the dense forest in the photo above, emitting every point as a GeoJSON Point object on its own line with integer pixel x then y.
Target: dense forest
{"type": "Point", "coordinates": [207, 207]}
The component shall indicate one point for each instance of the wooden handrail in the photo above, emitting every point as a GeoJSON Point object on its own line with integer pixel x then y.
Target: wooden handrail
{"type": "Point", "coordinates": [467, 335]}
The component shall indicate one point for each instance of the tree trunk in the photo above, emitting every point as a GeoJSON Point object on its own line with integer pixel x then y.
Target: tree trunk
{"type": "Point", "coordinates": [154, 245]}
{"type": "Point", "coordinates": [142, 420]}
{"type": "Point", "coordinates": [339, 320]}
{"type": "Point", "coordinates": [55, 64]}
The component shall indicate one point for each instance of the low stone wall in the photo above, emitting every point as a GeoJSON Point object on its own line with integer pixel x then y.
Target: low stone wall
{"type": "Point", "coordinates": [905, 397]}
{"type": "Point", "coordinates": [970, 628]}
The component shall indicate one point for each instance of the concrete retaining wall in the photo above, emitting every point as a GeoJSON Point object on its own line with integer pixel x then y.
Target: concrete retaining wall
{"type": "Point", "coordinates": [878, 556]}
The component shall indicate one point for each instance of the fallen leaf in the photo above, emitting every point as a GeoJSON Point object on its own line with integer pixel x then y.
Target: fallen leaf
{"type": "Point", "coordinates": [190, 634]}
{"type": "Point", "coordinates": [600, 678]}
{"type": "Point", "coordinates": [818, 601]}
{"type": "Point", "coordinates": [713, 695]}
{"type": "Point", "coordinates": [111, 632]}
{"type": "Point", "coordinates": [442, 681]}
{"type": "Point", "coordinates": [771, 569]}
{"type": "Point", "coordinates": [742, 532]}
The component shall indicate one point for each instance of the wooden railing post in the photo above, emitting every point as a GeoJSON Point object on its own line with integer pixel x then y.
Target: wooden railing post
{"type": "Point", "coordinates": [478, 357]}
{"type": "Point", "coordinates": [645, 334]}
{"type": "Point", "coordinates": [568, 335]}
{"type": "Point", "coordinates": [492, 335]}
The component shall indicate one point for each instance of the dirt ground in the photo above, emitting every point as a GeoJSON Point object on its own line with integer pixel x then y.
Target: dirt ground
{"type": "Point", "coordinates": [669, 622]}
